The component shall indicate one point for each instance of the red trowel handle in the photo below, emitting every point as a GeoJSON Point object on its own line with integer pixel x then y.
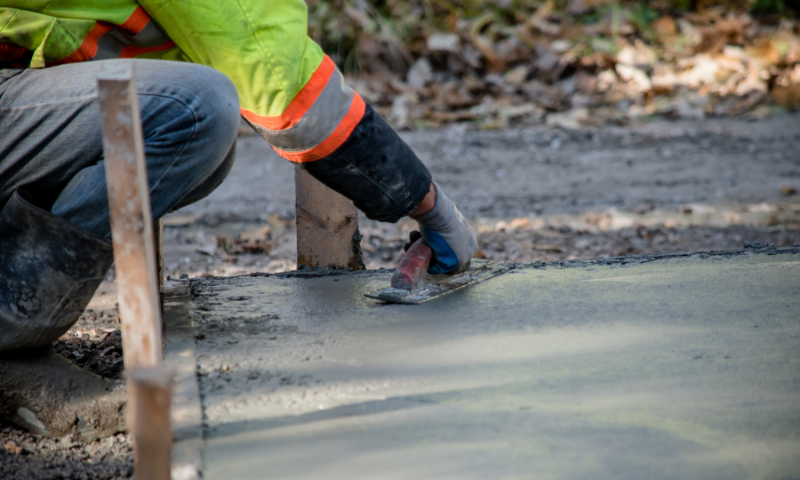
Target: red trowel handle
{"type": "Point", "coordinates": [410, 274]}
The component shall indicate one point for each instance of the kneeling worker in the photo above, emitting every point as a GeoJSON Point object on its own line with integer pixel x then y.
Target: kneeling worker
{"type": "Point", "coordinates": [199, 66]}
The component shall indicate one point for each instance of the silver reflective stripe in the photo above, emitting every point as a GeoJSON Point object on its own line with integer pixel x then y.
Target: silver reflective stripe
{"type": "Point", "coordinates": [150, 36]}
{"type": "Point", "coordinates": [110, 45]}
{"type": "Point", "coordinates": [318, 122]}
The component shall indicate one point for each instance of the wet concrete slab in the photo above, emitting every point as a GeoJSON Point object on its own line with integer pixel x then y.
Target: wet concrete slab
{"type": "Point", "coordinates": [679, 368]}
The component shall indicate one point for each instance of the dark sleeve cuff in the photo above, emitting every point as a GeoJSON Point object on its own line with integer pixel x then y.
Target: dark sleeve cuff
{"type": "Point", "coordinates": [376, 170]}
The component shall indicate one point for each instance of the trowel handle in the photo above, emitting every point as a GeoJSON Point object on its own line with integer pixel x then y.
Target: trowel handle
{"type": "Point", "coordinates": [410, 274]}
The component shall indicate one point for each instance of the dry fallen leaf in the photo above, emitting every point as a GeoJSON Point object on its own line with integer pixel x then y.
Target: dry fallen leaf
{"type": "Point", "coordinates": [258, 233]}
{"type": "Point", "coordinates": [13, 448]}
{"type": "Point", "coordinates": [787, 97]}
{"type": "Point", "coordinates": [550, 248]}
{"type": "Point", "coordinates": [519, 223]}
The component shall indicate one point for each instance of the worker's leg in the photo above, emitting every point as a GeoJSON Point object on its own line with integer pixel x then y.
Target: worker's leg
{"type": "Point", "coordinates": [54, 250]}
{"type": "Point", "coordinates": [52, 146]}
{"type": "Point", "coordinates": [51, 150]}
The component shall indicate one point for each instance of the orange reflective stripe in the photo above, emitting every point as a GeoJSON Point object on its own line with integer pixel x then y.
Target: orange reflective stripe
{"type": "Point", "coordinates": [88, 48]}
{"type": "Point", "coordinates": [130, 52]}
{"type": "Point", "coordinates": [335, 139]}
{"type": "Point", "coordinates": [136, 22]}
{"type": "Point", "coordinates": [300, 103]}
{"type": "Point", "coordinates": [9, 52]}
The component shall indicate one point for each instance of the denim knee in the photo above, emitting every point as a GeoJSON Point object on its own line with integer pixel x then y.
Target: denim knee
{"type": "Point", "coordinates": [190, 118]}
{"type": "Point", "coordinates": [210, 183]}
{"type": "Point", "coordinates": [215, 107]}
{"type": "Point", "coordinates": [217, 94]}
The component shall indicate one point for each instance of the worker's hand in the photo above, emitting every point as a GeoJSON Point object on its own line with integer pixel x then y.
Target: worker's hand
{"type": "Point", "coordinates": [449, 235]}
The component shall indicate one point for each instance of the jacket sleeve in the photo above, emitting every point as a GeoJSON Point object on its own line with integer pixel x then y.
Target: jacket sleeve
{"type": "Point", "coordinates": [296, 98]}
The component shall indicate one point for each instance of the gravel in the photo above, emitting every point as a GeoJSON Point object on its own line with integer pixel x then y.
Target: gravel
{"type": "Point", "coordinates": [25, 456]}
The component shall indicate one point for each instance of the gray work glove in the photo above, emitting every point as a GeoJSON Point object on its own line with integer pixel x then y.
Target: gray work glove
{"type": "Point", "coordinates": [449, 235]}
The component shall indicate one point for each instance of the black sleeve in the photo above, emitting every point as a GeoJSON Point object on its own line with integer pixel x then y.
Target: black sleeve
{"type": "Point", "coordinates": [376, 170]}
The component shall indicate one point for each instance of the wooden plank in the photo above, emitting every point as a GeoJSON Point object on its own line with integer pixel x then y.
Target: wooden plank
{"type": "Point", "coordinates": [326, 226]}
{"type": "Point", "coordinates": [131, 218]}
{"type": "Point", "coordinates": [152, 433]}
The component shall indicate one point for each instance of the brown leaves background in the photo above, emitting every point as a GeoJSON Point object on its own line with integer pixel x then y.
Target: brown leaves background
{"type": "Point", "coordinates": [581, 62]}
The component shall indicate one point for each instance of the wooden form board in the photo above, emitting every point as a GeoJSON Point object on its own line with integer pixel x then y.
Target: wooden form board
{"type": "Point", "coordinates": [151, 387]}
{"type": "Point", "coordinates": [131, 218]}
{"type": "Point", "coordinates": [326, 225]}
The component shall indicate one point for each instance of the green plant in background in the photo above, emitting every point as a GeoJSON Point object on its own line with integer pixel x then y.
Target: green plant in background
{"type": "Point", "coordinates": [779, 7]}
{"type": "Point", "coordinates": [642, 16]}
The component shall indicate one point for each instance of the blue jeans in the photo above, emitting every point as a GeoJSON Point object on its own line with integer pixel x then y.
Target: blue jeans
{"type": "Point", "coordinates": [51, 144]}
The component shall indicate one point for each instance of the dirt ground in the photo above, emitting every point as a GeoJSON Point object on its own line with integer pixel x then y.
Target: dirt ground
{"type": "Point", "coordinates": [532, 193]}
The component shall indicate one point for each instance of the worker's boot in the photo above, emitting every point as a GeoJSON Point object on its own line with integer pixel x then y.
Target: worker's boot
{"type": "Point", "coordinates": [49, 271]}
{"type": "Point", "coordinates": [46, 394]}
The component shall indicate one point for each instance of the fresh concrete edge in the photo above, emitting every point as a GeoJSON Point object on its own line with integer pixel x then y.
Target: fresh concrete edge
{"type": "Point", "coordinates": [643, 258]}
{"type": "Point", "coordinates": [624, 260]}
{"type": "Point", "coordinates": [180, 356]}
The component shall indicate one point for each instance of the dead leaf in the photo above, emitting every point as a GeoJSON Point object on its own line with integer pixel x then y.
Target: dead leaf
{"type": "Point", "coordinates": [570, 120]}
{"type": "Point", "coordinates": [258, 233]}
{"type": "Point", "coordinates": [519, 223]}
{"type": "Point", "coordinates": [239, 245]}
{"type": "Point", "coordinates": [550, 248]}
{"type": "Point", "coordinates": [634, 76]}
{"type": "Point", "coordinates": [443, 42]}
{"type": "Point", "coordinates": [517, 75]}
{"type": "Point", "coordinates": [665, 27]}
{"type": "Point", "coordinates": [209, 246]}
{"type": "Point", "coordinates": [788, 97]}
{"type": "Point", "coordinates": [637, 54]}
{"type": "Point", "coordinates": [13, 448]}
{"type": "Point", "coordinates": [278, 225]}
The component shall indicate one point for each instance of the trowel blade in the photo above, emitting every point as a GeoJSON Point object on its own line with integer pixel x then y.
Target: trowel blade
{"type": "Point", "coordinates": [438, 285]}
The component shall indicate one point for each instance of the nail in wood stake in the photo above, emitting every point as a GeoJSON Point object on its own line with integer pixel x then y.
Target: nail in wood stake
{"type": "Point", "coordinates": [131, 219]}
{"type": "Point", "coordinates": [326, 223]}
{"type": "Point", "coordinates": [152, 432]}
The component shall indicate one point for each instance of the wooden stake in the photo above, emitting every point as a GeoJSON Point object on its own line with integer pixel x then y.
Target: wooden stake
{"type": "Point", "coordinates": [152, 432]}
{"type": "Point", "coordinates": [326, 224]}
{"type": "Point", "coordinates": [131, 219]}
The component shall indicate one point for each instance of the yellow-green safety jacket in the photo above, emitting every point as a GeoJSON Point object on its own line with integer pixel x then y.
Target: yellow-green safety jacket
{"type": "Point", "coordinates": [289, 90]}
{"type": "Point", "coordinates": [280, 74]}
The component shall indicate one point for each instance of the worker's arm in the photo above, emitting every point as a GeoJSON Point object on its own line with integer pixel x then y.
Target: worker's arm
{"type": "Point", "coordinates": [296, 98]}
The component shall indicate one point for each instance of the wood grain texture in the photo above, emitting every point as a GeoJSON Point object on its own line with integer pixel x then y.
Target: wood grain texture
{"type": "Point", "coordinates": [152, 433]}
{"type": "Point", "coordinates": [131, 218]}
{"type": "Point", "coordinates": [326, 226]}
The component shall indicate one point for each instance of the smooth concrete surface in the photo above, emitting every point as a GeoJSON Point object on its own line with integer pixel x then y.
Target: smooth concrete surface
{"type": "Point", "coordinates": [679, 369]}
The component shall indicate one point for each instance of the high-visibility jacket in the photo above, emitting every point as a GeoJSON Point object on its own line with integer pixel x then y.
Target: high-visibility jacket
{"type": "Point", "coordinates": [281, 74]}
{"type": "Point", "coordinates": [289, 90]}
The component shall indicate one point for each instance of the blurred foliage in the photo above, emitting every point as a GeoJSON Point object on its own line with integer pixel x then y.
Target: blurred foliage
{"type": "Point", "coordinates": [563, 62]}
{"type": "Point", "coordinates": [362, 34]}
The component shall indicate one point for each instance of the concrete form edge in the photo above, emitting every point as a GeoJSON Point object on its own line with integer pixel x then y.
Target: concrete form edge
{"type": "Point", "coordinates": [180, 356]}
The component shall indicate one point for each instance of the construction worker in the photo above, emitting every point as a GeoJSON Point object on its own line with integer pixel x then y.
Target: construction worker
{"type": "Point", "coordinates": [248, 58]}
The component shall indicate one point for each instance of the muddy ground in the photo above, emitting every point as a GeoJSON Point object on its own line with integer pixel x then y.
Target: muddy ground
{"type": "Point", "coordinates": [533, 194]}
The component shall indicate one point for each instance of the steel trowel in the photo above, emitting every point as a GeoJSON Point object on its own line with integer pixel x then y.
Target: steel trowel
{"type": "Point", "coordinates": [412, 284]}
